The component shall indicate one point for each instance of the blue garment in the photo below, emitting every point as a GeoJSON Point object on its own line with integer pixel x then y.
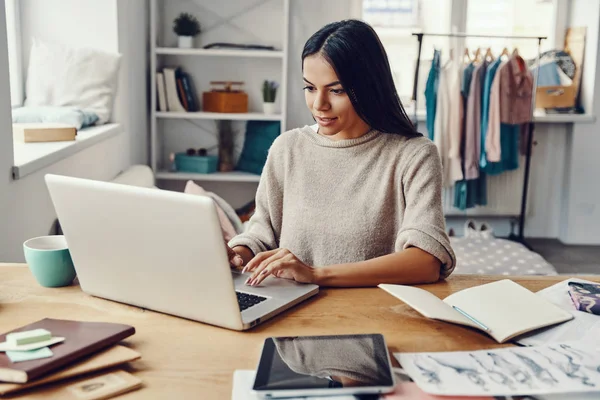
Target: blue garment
{"type": "Point", "coordinates": [485, 106]}
{"type": "Point", "coordinates": [548, 74]}
{"type": "Point", "coordinates": [509, 150]}
{"type": "Point", "coordinates": [466, 81]}
{"type": "Point", "coordinates": [431, 88]}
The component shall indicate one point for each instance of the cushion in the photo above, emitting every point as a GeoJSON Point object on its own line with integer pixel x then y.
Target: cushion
{"type": "Point", "coordinates": [226, 227]}
{"type": "Point", "coordinates": [259, 138]}
{"type": "Point", "coordinates": [77, 77]}
{"type": "Point", "coordinates": [493, 256]}
{"type": "Point", "coordinates": [66, 115]}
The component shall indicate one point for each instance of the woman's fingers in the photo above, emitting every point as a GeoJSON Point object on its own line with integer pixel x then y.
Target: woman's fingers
{"type": "Point", "coordinates": [271, 269]}
{"type": "Point", "coordinates": [258, 259]}
{"type": "Point", "coordinates": [273, 256]}
{"type": "Point", "coordinates": [235, 260]}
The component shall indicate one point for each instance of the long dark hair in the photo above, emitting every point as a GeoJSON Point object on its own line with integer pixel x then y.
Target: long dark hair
{"type": "Point", "coordinates": [356, 54]}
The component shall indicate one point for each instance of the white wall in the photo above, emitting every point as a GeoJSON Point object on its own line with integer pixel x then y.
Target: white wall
{"type": "Point", "coordinates": [580, 219]}
{"type": "Point", "coordinates": [79, 23]}
{"type": "Point", "coordinates": [25, 207]}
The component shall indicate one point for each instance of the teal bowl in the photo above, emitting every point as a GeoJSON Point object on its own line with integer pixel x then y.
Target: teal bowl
{"type": "Point", "coordinates": [49, 260]}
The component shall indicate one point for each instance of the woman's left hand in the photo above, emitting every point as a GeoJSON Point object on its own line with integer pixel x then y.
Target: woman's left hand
{"type": "Point", "coordinates": [281, 263]}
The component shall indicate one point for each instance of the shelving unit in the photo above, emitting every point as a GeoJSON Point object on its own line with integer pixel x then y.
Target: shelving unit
{"type": "Point", "coordinates": [219, 116]}
{"type": "Point", "coordinates": [181, 130]}
{"type": "Point", "coordinates": [220, 52]}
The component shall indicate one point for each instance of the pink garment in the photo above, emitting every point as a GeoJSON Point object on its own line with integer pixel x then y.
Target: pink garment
{"type": "Point", "coordinates": [226, 226]}
{"type": "Point", "coordinates": [448, 124]}
{"type": "Point", "coordinates": [516, 90]}
{"type": "Point", "coordinates": [492, 138]}
{"type": "Point", "coordinates": [472, 132]}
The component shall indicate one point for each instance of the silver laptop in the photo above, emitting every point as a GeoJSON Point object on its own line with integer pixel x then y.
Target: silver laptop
{"type": "Point", "coordinates": [163, 251]}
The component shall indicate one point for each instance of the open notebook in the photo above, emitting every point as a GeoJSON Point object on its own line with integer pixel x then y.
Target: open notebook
{"type": "Point", "coordinates": [504, 307]}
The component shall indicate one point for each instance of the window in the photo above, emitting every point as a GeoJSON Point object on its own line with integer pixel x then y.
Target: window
{"type": "Point", "coordinates": [511, 18]}
{"type": "Point", "coordinates": [396, 20]}
{"type": "Point", "coordinates": [14, 52]}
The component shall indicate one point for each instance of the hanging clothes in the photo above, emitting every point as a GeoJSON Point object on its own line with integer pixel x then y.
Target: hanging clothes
{"type": "Point", "coordinates": [510, 108]}
{"type": "Point", "coordinates": [492, 137]}
{"type": "Point", "coordinates": [461, 187]}
{"type": "Point", "coordinates": [431, 88]}
{"type": "Point", "coordinates": [447, 125]}
{"type": "Point", "coordinates": [516, 89]}
{"type": "Point", "coordinates": [473, 124]}
{"type": "Point", "coordinates": [485, 107]}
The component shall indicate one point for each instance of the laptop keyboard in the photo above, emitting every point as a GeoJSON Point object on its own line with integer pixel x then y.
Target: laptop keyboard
{"type": "Point", "coordinates": [246, 300]}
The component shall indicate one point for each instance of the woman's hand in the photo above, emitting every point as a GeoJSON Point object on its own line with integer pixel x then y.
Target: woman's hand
{"type": "Point", "coordinates": [235, 260]}
{"type": "Point", "coordinates": [281, 263]}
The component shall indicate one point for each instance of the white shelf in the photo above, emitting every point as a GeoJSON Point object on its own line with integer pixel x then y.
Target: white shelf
{"type": "Point", "coordinates": [220, 52]}
{"type": "Point", "coordinates": [220, 116]}
{"type": "Point", "coordinates": [233, 176]}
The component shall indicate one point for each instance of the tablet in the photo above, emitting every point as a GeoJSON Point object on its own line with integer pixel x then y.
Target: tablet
{"type": "Point", "coordinates": [323, 366]}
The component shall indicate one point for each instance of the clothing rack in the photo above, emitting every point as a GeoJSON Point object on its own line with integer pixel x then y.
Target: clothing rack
{"type": "Point", "coordinates": [520, 237]}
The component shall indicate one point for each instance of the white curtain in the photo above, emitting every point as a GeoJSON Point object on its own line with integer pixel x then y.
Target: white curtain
{"type": "Point", "coordinates": [13, 34]}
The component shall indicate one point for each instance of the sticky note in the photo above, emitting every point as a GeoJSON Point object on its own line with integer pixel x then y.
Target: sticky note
{"type": "Point", "coordinates": [18, 356]}
{"type": "Point", "coordinates": [27, 337]}
{"type": "Point", "coordinates": [9, 346]}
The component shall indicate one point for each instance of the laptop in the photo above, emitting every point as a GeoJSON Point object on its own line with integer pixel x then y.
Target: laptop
{"type": "Point", "coordinates": [163, 251]}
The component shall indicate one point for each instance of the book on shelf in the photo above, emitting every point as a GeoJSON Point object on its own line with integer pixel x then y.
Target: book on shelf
{"type": "Point", "coordinates": [161, 92]}
{"type": "Point", "coordinates": [180, 91]}
{"type": "Point", "coordinates": [190, 92]}
{"type": "Point", "coordinates": [173, 102]}
{"type": "Point", "coordinates": [489, 308]}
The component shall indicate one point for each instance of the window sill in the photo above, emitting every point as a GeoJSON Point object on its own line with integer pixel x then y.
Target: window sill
{"type": "Point", "coordinates": [538, 116]}
{"type": "Point", "coordinates": [31, 157]}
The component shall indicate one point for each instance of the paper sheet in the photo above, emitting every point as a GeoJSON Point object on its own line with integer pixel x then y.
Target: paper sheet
{"type": "Point", "coordinates": [505, 372]}
{"type": "Point", "coordinates": [583, 329]}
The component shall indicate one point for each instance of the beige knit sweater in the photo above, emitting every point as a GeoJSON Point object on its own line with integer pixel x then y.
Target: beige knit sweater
{"type": "Point", "coordinates": [332, 202]}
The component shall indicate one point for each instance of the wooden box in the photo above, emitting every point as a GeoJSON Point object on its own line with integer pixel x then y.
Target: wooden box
{"type": "Point", "coordinates": [556, 96]}
{"type": "Point", "coordinates": [225, 100]}
{"type": "Point", "coordinates": [565, 96]}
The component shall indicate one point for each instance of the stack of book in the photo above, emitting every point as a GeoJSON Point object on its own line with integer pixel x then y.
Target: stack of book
{"type": "Point", "coordinates": [87, 354]}
{"type": "Point", "coordinates": [176, 91]}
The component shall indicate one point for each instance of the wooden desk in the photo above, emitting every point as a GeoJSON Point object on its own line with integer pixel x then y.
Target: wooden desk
{"type": "Point", "coordinates": [182, 359]}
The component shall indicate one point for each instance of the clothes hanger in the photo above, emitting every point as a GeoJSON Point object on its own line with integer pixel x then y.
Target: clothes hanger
{"type": "Point", "coordinates": [515, 52]}
{"type": "Point", "coordinates": [477, 56]}
{"type": "Point", "coordinates": [467, 54]}
{"type": "Point", "coordinates": [504, 53]}
{"type": "Point", "coordinates": [489, 55]}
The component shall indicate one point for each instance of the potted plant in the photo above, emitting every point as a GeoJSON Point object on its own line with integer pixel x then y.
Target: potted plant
{"type": "Point", "coordinates": [269, 93]}
{"type": "Point", "coordinates": [186, 26]}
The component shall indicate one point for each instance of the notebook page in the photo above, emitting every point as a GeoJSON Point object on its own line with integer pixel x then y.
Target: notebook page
{"type": "Point", "coordinates": [427, 304]}
{"type": "Point", "coordinates": [507, 308]}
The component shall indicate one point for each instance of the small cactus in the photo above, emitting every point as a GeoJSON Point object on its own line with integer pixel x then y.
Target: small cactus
{"type": "Point", "coordinates": [269, 91]}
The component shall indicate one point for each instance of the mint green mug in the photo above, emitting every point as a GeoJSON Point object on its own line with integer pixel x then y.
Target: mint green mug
{"type": "Point", "coordinates": [49, 260]}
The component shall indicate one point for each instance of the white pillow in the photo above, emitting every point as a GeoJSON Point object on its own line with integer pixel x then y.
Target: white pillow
{"type": "Point", "coordinates": [61, 76]}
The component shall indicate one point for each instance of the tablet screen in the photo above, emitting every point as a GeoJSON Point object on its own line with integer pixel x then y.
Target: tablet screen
{"type": "Point", "coordinates": [324, 362]}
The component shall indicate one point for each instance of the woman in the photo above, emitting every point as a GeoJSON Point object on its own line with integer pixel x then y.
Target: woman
{"type": "Point", "coordinates": [356, 199]}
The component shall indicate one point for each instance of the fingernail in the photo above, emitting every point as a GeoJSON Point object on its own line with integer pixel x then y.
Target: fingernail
{"type": "Point", "coordinates": [247, 281]}
{"type": "Point", "coordinates": [264, 271]}
{"type": "Point", "coordinates": [244, 269]}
